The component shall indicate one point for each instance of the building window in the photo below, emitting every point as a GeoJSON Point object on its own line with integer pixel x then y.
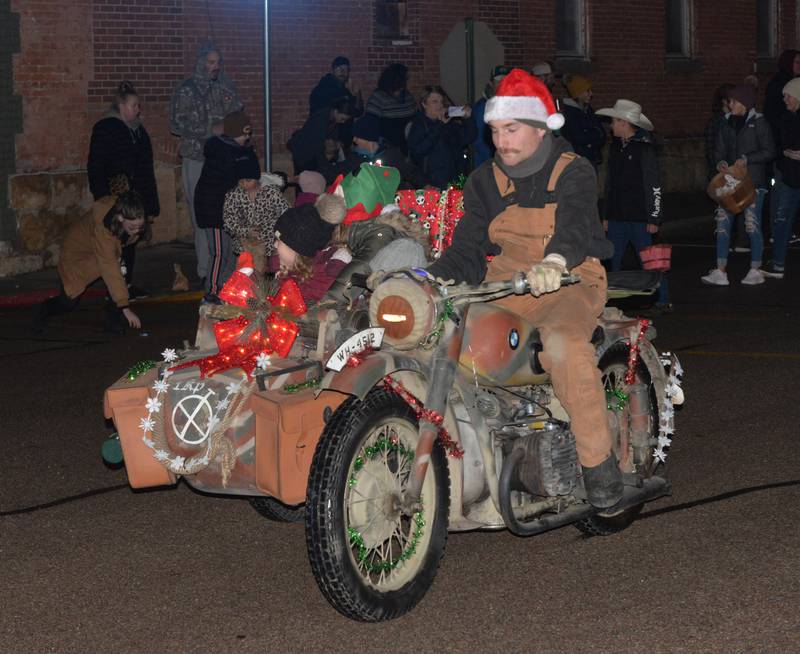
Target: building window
{"type": "Point", "coordinates": [679, 28]}
{"type": "Point", "coordinates": [391, 19]}
{"type": "Point", "coordinates": [571, 28]}
{"type": "Point", "coordinates": [766, 28]}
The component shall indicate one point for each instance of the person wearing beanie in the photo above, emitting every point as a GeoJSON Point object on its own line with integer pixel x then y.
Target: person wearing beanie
{"type": "Point", "coordinates": [786, 198]}
{"type": "Point", "coordinates": [228, 159]}
{"type": "Point", "coordinates": [303, 246]}
{"type": "Point", "coordinates": [369, 147]}
{"type": "Point", "coordinates": [312, 185]}
{"type": "Point", "coordinates": [436, 140]}
{"type": "Point", "coordinates": [632, 204]}
{"type": "Point", "coordinates": [534, 208]}
{"type": "Point", "coordinates": [582, 127]}
{"type": "Point", "coordinates": [745, 140]}
{"type": "Point", "coordinates": [774, 107]}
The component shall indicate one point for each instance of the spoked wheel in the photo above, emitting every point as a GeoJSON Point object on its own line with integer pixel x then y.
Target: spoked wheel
{"type": "Point", "coordinates": [371, 561]}
{"type": "Point", "coordinates": [613, 367]}
{"type": "Point", "coordinates": [275, 510]}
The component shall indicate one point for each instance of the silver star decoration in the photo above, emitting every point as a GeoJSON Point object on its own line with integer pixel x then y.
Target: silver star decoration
{"type": "Point", "coordinates": [153, 405]}
{"type": "Point", "coordinates": [147, 424]}
{"type": "Point", "coordinates": [660, 454]}
{"type": "Point", "coordinates": [664, 441]}
{"type": "Point", "coordinates": [160, 386]}
{"type": "Point", "coordinates": [169, 355]}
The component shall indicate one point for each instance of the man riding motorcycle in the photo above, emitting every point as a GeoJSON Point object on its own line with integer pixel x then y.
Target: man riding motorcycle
{"type": "Point", "coordinates": [534, 207]}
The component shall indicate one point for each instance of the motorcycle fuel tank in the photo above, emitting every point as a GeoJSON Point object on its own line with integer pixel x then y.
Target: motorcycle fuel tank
{"type": "Point", "coordinates": [500, 347]}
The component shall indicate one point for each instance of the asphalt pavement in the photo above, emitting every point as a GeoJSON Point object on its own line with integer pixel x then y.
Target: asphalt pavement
{"type": "Point", "coordinates": [91, 566]}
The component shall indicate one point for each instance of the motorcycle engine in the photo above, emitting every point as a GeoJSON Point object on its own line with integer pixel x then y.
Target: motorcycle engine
{"type": "Point", "coordinates": [550, 465]}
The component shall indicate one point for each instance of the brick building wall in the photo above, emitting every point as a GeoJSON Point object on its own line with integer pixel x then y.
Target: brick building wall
{"type": "Point", "coordinates": [72, 54]}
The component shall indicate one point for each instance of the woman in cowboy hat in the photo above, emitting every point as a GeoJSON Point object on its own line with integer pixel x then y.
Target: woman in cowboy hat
{"type": "Point", "coordinates": [632, 212]}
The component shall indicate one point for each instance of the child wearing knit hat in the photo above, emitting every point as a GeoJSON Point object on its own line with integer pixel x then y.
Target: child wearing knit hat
{"type": "Point", "coordinates": [304, 251]}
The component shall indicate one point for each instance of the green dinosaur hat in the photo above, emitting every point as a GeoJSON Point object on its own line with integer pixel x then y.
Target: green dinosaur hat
{"type": "Point", "coordinates": [367, 192]}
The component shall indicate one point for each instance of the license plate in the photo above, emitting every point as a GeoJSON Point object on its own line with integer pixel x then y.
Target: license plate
{"type": "Point", "coordinates": [357, 343]}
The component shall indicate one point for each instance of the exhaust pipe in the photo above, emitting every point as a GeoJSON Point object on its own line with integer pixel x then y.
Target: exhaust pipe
{"type": "Point", "coordinates": [650, 489]}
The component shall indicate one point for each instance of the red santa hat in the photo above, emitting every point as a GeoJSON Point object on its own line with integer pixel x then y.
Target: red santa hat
{"type": "Point", "coordinates": [521, 96]}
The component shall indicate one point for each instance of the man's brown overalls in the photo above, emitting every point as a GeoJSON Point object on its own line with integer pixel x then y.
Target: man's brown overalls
{"type": "Point", "coordinates": [566, 318]}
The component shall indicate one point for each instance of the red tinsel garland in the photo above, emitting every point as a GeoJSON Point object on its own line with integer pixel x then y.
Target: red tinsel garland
{"type": "Point", "coordinates": [450, 446]}
{"type": "Point", "coordinates": [633, 353]}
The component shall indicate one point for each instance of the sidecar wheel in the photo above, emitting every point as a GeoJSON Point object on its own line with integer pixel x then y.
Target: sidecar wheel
{"type": "Point", "coordinates": [613, 367]}
{"type": "Point", "coordinates": [272, 509]}
{"type": "Point", "coordinates": [371, 562]}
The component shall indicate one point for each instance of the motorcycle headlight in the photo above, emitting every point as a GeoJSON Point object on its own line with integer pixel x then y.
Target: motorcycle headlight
{"type": "Point", "coordinates": [405, 309]}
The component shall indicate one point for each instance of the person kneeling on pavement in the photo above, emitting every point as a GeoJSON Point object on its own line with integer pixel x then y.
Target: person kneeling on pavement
{"type": "Point", "coordinates": [92, 248]}
{"type": "Point", "coordinates": [534, 207]}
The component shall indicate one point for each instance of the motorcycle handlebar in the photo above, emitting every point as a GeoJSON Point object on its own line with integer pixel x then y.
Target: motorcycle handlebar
{"type": "Point", "coordinates": [519, 282]}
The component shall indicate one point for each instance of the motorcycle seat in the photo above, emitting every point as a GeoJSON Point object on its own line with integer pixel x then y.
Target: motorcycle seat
{"type": "Point", "coordinates": [634, 281]}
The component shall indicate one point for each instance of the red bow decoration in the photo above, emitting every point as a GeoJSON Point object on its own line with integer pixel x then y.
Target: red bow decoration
{"type": "Point", "coordinates": [262, 327]}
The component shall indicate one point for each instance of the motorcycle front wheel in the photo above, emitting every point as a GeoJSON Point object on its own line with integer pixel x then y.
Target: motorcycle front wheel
{"type": "Point", "coordinates": [613, 367]}
{"type": "Point", "coordinates": [371, 561]}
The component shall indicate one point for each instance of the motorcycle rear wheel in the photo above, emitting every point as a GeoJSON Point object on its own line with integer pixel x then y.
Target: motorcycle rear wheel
{"type": "Point", "coordinates": [613, 366]}
{"type": "Point", "coordinates": [371, 562]}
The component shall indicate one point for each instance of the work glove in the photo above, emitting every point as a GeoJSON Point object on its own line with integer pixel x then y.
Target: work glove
{"type": "Point", "coordinates": [545, 276]}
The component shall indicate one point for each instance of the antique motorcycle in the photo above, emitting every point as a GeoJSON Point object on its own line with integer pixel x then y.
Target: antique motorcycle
{"type": "Point", "coordinates": [451, 424]}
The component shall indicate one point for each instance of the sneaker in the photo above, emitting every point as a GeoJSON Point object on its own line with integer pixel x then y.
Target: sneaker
{"type": "Point", "coordinates": [772, 271]}
{"type": "Point", "coordinates": [741, 248]}
{"type": "Point", "coordinates": [136, 293]}
{"type": "Point", "coordinates": [754, 276]}
{"type": "Point", "coordinates": [716, 278]}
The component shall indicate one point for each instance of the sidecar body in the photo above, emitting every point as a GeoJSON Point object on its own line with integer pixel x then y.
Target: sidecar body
{"type": "Point", "coordinates": [268, 440]}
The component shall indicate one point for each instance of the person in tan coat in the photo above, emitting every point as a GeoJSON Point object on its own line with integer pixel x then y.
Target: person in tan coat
{"type": "Point", "coordinates": [91, 249]}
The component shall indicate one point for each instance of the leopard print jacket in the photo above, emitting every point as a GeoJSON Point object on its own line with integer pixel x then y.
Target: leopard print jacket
{"type": "Point", "coordinates": [247, 220]}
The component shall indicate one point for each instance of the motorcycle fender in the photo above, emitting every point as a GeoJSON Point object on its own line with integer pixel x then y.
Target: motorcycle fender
{"type": "Point", "coordinates": [358, 380]}
{"type": "Point", "coordinates": [361, 379]}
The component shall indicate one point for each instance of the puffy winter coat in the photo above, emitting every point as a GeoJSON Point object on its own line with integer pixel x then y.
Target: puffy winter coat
{"type": "Point", "coordinates": [117, 148]}
{"type": "Point", "coordinates": [753, 141]}
{"type": "Point", "coordinates": [217, 178]}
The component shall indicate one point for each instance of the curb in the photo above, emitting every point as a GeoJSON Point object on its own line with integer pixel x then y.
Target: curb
{"type": "Point", "coordinates": [29, 298]}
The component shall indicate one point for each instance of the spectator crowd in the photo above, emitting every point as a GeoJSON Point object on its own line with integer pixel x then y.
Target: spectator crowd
{"type": "Point", "coordinates": [431, 142]}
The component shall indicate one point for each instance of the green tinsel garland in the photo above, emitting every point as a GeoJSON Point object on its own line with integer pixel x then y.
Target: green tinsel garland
{"type": "Point", "coordinates": [617, 394]}
{"type": "Point", "coordinates": [433, 338]}
{"type": "Point", "coordinates": [296, 388]}
{"type": "Point", "coordinates": [140, 368]}
{"type": "Point", "coordinates": [355, 537]}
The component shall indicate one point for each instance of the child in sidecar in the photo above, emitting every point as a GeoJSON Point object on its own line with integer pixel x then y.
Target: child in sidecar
{"type": "Point", "coordinates": [304, 249]}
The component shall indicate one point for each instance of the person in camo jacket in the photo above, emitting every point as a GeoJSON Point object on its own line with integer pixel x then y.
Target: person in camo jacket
{"type": "Point", "coordinates": [199, 105]}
